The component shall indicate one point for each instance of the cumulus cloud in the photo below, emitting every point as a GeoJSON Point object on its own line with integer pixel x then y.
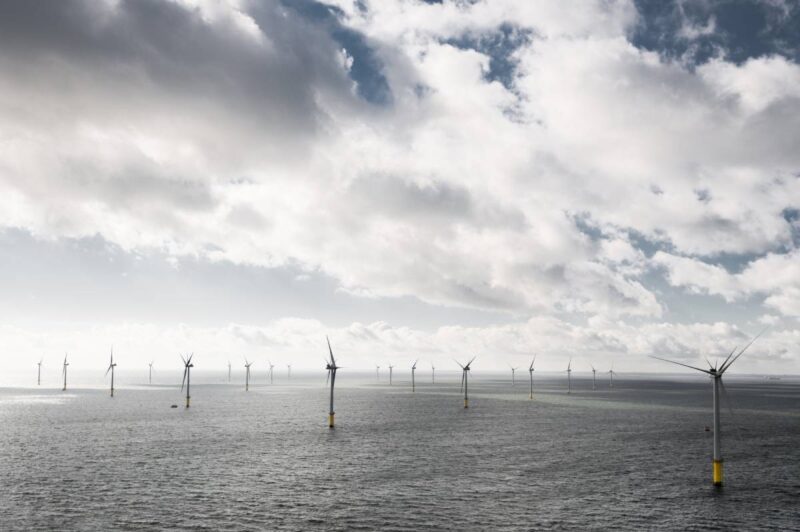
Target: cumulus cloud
{"type": "Point", "coordinates": [369, 141]}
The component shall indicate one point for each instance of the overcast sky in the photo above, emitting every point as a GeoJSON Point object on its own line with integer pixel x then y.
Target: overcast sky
{"type": "Point", "coordinates": [600, 181]}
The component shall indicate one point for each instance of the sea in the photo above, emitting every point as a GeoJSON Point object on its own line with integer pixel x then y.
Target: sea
{"type": "Point", "coordinates": [635, 456]}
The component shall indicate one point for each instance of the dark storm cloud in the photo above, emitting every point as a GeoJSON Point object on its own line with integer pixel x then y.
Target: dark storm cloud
{"type": "Point", "coordinates": [192, 62]}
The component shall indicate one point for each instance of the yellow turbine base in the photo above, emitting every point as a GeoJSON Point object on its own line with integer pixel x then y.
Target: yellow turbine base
{"type": "Point", "coordinates": [466, 403]}
{"type": "Point", "coordinates": [531, 396]}
{"type": "Point", "coordinates": [717, 472]}
{"type": "Point", "coordinates": [187, 402]}
{"type": "Point", "coordinates": [330, 420]}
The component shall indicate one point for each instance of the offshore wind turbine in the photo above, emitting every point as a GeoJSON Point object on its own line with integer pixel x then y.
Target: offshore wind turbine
{"type": "Point", "coordinates": [229, 371]}
{"type": "Point", "coordinates": [465, 379]}
{"type": "Point", "coordinates": [247, 375]}
{"type": "Point", "coordinates": [64, 372]}
{"type": "Point", "coordinates": [594, 378]}
{"type": "Point", "coordinates": [390, 374]}
{"type": "Point", "coordinates": [377, 372]}
{"type": "Point", "coordinates": [331, 367]}
{"type": "Point", "coordinates": [513, 374]}
{"type": "Point", "coordinates": [187, 377]}
{"type": "Point", "coordinates": [39, 372]}
{"type": "Point", "coordinates": [413, 369]}
{"type": "Point", "coordinates": [111, 367]}
{"type": "Point", "coordinates": [271, 367]}
{"type": "Point", "coordinates": [530, 371]}
{"type": "Point", "coordinates": [289, 371]}
{"type": "Point", "coordinates": [611, 376]}
{"type": "Point", "coordinates": [433, 374]}
{"type": "Point", "coordinates": [569, 376]}
{"type": "Point", "coordinates": [150, 375]}
{"type": "Point", "coordinates": [716, 372]}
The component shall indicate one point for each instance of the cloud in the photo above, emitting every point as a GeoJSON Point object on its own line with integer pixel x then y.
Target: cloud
{"type": "Point", "coordinates": [243, 132]}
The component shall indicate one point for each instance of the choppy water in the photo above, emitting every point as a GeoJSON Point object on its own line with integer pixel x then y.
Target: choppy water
{"type": "Point", "coordinates": [635, 457]}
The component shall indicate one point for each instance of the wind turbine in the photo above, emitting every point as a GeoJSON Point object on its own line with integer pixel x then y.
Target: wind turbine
{"type": "Point", "coordinates": [433, 374]}
{"type": "Point", "coordinates": [150, 377]}
{"type": "Point", "coordinates": [413, 369]}
{"type": "Point", "coordinates": [465, 379]}
{"type": "Point", "coordinates": [39, 373]}
{"type": "Point", "coordinates": [247, 375]}
{"type": "Point", "coordinates": [530, 370]}
{"type": "Point", "coordinates": [594, 378]}
{"type": "Point", "coordinates": [187, 363]}
{"type": "Point", "coordinates": [271, 367]}
{"type": "Point", "coordinates": [569, 376]}
{"type": "Point", "coordinates": [229, 371]}
{"type": "Point", "coordinates": [331, 367]}
{"type": "Point", "coordinates": [611, 376]}
{"type": "Point", "coordinates": [716, 372]}
{"type": "Point", "coordinates": [111, 367]}
{"type": "Point", "coordinates": [289, 371]}
{"type": "Point", "coordinates": [390, 374]}
{"type": "Point", "coordinates": [64, 371]}
{"type": "Point", "coordinates": [377, 372]}
{"type": "Point", "coordinates": [513, 374]}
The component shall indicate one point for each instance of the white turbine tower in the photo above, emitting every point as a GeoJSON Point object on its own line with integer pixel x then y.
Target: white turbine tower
{"type": "Point", "coordinates": [530, 370]}
{"type": "Point", "coordinates": [716, 372]}
{"type": "Point", "coordinates": [569, 376]}
{"type": "Point", "coordinates": [594, 378]}
{"type": "Point", "coordinates": [247, 365]}
{"type": "Point", "coordinates": [513, 374]}
{"type": "Point", "coordinates": [111, 367]}
{"type": "Point", "coordinates": [413, 370]}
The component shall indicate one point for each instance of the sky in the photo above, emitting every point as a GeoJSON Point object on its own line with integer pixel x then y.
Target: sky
{"type": "Point", "coordinates": [599, 181]}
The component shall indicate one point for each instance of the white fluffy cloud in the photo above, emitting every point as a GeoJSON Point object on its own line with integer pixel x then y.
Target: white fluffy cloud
{"type": "Point", "coordinates": [238, 131]}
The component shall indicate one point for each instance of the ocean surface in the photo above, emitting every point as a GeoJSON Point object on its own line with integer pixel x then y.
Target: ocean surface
{"type": "Point", "coordinates": [633, 457]}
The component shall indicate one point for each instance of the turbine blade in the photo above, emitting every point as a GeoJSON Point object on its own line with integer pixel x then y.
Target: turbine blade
{"type": "Point", "coordinates": [333, 362]}
{"type": "Point", "coordinates": [726, 366]}
{"type": "Point", "coordinates": [673, 362]}
{"type": "Point", "coordinates": [463, 376]}
{"type": "Point", "coordinates": [459, 363]}
{"type": "Point", "coordinates": [328, 377]}
{"type": "Point", "coordinates": [183, 382]}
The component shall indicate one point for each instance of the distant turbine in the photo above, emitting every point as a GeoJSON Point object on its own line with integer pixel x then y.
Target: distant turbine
{"type": "Point", "coordinates": [150, 377]}
{"type": "Point", "coordinates": [716, 376]}
{"type": "Point", "coordinates": [465, 379]}
{"type": "Point", "coordinates": [413, 369]}
{"type": "Point", "coordinates": [64, 371]}
{"type": "Point", "coordinates": [247, 375]}
{"type": "Point", "coordinates": [377, 373]}
{"type": "Point", "coordinates": [569, 376]}
{"type": "Point", "coordinates": [594, 378]}
{"type": "Point", "coordinates": [611, 376]}
{"type": "Point", "coordinates": [530, 370]}
{"type": "Point", "coordinates": [390, 374]}
{"type": "Point", "coordinates": [513, 374]}
{"type": "Point", "coordinates": [39, 373]}
{"type": "Point", "coordinates": [187, 363]}
{"type": "Point", "coordinates": [271, 367]}
{"type": "Point", "coordinates": [331, 367]}
{"type": "Point", "coordinates": [289, 371]}
{"type": "Point", "coordinates": [111, 367]}
{"type": "Point", "coordinates": [433, 374]}
{"type": "Point", "coordinates": [229, 371]}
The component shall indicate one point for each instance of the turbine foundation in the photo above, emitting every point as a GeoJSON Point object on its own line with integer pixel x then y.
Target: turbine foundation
{"type": "Point", "coordinates": [717, 472]}
{"type": "Point", "coordinates": [330, 420]}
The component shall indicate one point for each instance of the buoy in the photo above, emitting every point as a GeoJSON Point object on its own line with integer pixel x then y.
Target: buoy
{"type": "Point", "coordinates": [174, 406]}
